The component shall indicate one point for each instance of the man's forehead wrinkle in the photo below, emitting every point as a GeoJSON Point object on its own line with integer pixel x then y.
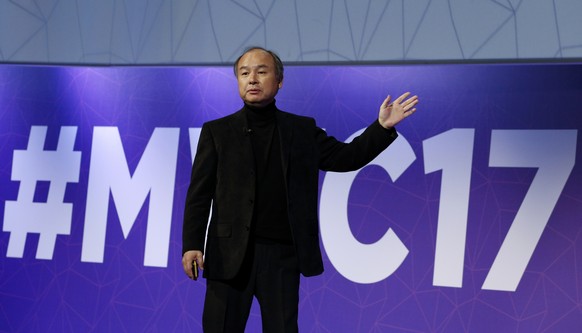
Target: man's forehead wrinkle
{"type": "Point", "coordinates": [255, 66]}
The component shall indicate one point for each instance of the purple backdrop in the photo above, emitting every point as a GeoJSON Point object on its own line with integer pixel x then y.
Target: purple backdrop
{"type": "Point", "coordinates": [496, 123]}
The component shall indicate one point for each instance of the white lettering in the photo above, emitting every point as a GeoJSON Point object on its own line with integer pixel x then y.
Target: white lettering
{"type": "Point", "coordinates": [451, 152]}
{"type": "Point", "coordinates": [361, 263]}
{"type": "Point", "coordinates": [154, 176]}
{"type": "Point", "coordinates": [553, 152]}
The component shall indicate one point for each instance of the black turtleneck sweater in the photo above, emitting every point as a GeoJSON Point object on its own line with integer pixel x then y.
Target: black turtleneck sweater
{"type": "Point", "coordinates": [270, 221]}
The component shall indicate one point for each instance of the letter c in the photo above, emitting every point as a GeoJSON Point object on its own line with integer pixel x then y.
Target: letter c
{"type": "Point", "coordinates": [361, 263]}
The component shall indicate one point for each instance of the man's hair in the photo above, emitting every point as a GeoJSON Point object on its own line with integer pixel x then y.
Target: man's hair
{"type": "Point", "coordinates": [276, 60]}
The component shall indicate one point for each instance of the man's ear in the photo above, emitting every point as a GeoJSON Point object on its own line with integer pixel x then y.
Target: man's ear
{"type": "Point", "coordinates": [280, 84]}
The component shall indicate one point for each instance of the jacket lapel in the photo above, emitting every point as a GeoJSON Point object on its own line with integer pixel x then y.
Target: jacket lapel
{"type": "Point", "coordinates": [239, 127]}
{"type": "Point", "coordinates": [285, 136]}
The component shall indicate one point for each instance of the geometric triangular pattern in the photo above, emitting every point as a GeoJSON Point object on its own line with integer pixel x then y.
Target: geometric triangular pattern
{"type": "Point", "coordinates": [215, 32]}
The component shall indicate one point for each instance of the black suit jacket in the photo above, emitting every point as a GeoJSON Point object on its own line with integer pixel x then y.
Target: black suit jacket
{"type": "Point", "coordinates": [223, 179]}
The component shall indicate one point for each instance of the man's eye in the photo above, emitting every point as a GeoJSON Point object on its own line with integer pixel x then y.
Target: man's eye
{"type": "Point", "coordinates": [244, 73]}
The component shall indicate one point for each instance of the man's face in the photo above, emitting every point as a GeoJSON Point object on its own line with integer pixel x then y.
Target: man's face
{"type": "Point", "coordinates": [257, 81]}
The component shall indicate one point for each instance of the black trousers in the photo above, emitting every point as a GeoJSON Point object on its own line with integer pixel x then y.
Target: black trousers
{"type": "Point", "coordinates": [270, 273]}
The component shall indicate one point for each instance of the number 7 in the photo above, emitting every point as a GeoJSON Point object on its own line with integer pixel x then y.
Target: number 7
{"type": "Point", "coordinates": [553, 152]}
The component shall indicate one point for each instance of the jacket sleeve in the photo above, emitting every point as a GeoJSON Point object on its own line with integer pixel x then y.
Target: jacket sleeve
{"type": "Point", "coordinates": [200, 193]}
{"type": "Point", "coordinates": [338, 156]}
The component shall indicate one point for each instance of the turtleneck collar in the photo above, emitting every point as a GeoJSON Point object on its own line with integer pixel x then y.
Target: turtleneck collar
{"type": "Point", "coordinates": [258, 114]}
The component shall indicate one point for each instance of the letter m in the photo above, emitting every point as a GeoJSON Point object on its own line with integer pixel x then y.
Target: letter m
{"type": "Point", "coordinates": [153, 176]}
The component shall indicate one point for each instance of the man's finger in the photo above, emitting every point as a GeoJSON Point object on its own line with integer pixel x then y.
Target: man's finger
{"type": "Point", "coordinates": [186, 267]}
{"type": "Point", "coordinates": [386, 102]}
{"type": "Point", "coordinates": [402, 97]}
{"type": "Point", "coordinates": [412, 101]}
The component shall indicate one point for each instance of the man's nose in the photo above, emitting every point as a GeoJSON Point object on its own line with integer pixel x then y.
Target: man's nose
{"type": "Point", "coordinates": [253, 78]}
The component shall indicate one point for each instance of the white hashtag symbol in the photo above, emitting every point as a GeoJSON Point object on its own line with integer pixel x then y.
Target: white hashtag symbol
{"type": "Point", "coordinates": [50, 218]}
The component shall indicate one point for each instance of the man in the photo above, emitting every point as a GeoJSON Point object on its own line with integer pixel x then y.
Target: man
{"type": "Point", "coordinates": [257, 169]}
